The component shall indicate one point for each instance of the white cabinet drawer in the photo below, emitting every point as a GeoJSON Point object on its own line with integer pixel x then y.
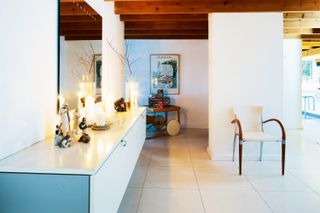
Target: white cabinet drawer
{"type": "Point", "coordinates": [109, 184]}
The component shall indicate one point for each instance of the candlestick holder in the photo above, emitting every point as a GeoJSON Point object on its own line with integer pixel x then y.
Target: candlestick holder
{"type": "Point", "coordinates": [95, 127]}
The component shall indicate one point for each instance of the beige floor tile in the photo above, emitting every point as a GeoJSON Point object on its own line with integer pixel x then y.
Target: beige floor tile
{"type": "Point", "coordinates": [170, 143]}
{"type": "Point", "coordinates": [130, 201]}
{"type": "Point", "coordinates": [138, 177]}
{"type": "Point", "coordinates": [233, 201]}
{"type": "Point", "coordinates": [278, 183]}
{"type": "Point", "coordinates": [200, 156]}
{"type": "Point", "coordinates": [145, 156]}
{"type": "Point", "coordinates": [170, 201]}
{"type": "Point", "coordinates": [293, 202]}
{"type": "Point", "coordinates": [310, 177]}
{"type": "Point", "coordinates": [221, 180]}
{"type": "Point", "coordinates": [262, 172]}
{"type": "Point", "coordinates": [171, 177]}
{"type": "Point", "coordinates": [218, 165]}
{"type": "Point", "coordinates": [171, 158]}
{"type": "Point", "coordinates": [171, 183]}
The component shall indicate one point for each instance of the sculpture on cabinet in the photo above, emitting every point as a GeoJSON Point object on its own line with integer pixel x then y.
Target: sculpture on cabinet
{"type": "Point", "coordinates": [76, 121]}
{"type": "Point", "coordinates": [60, 140]}
{"type": "Point", "coordinates": [85, 138]}
{"type": "Point", "coordinates": [58, 135]}
{"type": "Point", "coordinates": [65, 119]}
{"type": "Point", "coordinates": [65, 142]}
{"type": "Point", "coordinates": [120, 105]}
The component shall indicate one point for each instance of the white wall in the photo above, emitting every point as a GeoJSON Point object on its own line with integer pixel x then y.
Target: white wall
{"type": "Point", "coordinates": [245, 66]}
{"type": "Point", "coordinates": [28, 74]}
{"type": "Point", "coordinates": [193, 97]}
{"type": "Point", "coordinates": [71, 69]}
{"type": "Point", "coordinates": [292, 84]}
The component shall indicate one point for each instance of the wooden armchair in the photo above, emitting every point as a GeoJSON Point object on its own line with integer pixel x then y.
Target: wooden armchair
{"type": "Point", "coordinates": [249, 128]}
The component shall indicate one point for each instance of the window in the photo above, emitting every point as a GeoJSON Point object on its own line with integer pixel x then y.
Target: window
{"type": "Point", "coordinates": [307, 70]}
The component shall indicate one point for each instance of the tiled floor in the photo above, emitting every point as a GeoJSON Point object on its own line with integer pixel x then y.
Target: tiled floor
{"type": "Point", "coordinates": [175, 175]}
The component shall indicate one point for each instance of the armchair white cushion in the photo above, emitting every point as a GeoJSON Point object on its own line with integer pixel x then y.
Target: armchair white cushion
{"type": "Point", "coordinates": [249, 128]}
{"type": "Point", "coordinates": [259, 137]}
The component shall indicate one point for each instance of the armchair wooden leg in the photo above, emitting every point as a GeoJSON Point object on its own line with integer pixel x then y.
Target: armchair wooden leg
{"type": "Point", "coordinates": [261, 150]}
{"type": "Point", "coordinates": [240, 158]}
{"type": "Point", "coordinates": [234, 146]}
{"type": "Point", "coordinates": [283, 156]}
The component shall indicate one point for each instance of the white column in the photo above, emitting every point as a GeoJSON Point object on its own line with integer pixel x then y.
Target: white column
{"type": "Point", "coordinates": [292, 83]}
{"type": "Point", "coordinates": [113, 74]}
{"type": "Point", "coordinates": [245, 68]}
{"type": "Point", "coordinates": [112, 68]}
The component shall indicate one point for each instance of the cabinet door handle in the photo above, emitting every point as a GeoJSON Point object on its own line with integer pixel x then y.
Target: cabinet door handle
{"type": "Point", "coordinates": [123, 143]}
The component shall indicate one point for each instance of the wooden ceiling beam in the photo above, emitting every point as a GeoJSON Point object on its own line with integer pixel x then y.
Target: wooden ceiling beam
{"type": "Point", "coordinates": [159, 25]}
{"type": "Point", "coordinates": [311, 37]}
{"type": "Point", "coordinates": [80, 26]}
{"type": "Point", "coordinates": [311, 52]}
{"type": "Point", "coordinates": [166, 37]}
{"type": "Point", "coordinates": [169, 17]}
{"type": "Point", "coordinates": [78, 38]}
{"type": "Point", "coordinates": [77, 19]}
{"type": "Point", "coordinates": [310, 44]}
{"type": "Point", "coordinates": [301, 23]}
{"type": "Point", "coordinates": [71, 1]}
{"type": "Point", "coordinates": [301, 15]}
{"type": "Point", "coordinates": [78, 9]}
{"type": "Point", "coordinates": [298, 31]}
{"type": "Point", "coordinates": [81, 33]}
{"type": "Point", "coordinates": [167, 32]}
{"type": "Point", "coordinates": [208, 6]}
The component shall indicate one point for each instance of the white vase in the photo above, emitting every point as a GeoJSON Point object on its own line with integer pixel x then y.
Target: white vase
{"type": "Point", "coordinates": [132, 93]}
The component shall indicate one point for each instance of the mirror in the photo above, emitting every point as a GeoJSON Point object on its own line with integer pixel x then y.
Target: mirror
{"type": "Point", "coordinates": [80, 48]}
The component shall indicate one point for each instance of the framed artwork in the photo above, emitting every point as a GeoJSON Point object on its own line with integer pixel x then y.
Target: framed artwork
{"type": "Point", "coordinates": [165, 73]}
{"type": "Point", "coordinates": [98, 72]}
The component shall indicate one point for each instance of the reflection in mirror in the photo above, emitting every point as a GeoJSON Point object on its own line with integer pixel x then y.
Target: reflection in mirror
{"type": "Point", "coordinates": [80, 52]}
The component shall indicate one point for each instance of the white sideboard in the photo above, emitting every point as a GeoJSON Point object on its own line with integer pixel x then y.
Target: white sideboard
{"type": "Point", "coordinates": [88, 178]}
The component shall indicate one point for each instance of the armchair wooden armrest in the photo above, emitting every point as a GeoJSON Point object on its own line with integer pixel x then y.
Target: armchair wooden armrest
{"type": "Point", "coordinates": [280, 124]}
{"type": "Point", "coordinates": [238, 123]}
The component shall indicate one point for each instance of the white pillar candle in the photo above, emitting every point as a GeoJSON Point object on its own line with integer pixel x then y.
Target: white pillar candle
{"type": "Point", "coordinates": [127, 88]}
{"type": "Point", "coordinates": [100, 119]}
{"type": "Point", "coordinates": [89, 106]}
{"type": "Point", "coordinates": [79, 100]}
{"type": "Point", "coordinates": [134, 94]}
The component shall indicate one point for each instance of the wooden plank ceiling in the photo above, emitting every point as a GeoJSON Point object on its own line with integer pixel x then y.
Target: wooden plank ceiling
{"type": "Point", "coordinates": [78, 21]}
{"type": "Point", "coordinates": [185, 19]}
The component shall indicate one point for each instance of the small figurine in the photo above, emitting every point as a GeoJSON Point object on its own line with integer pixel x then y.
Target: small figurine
{"type": "Point", "coordinates": [85, 138]}
{"type": "Point", "coordinates": [65, 142]}
{"type": "Point", "coordinates": [65, 119]}
{"type": "Point", "coordinates": [160, 93]}
{"type": "Point", "coordinates": [120, 105]}
{"type": "Point", "coordinates": [58, 135]}
{"type": "Point", "coordinates": [76, 121]}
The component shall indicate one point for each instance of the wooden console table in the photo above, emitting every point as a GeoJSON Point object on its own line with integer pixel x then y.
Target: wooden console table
{"type": "Point", "coordinates": [164, 110]}
{"type": "Point", "coordinates": [170, 108]}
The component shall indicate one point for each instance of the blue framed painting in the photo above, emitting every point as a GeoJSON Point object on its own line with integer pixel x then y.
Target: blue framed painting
{"type": "Point", "coordinates": [165, 73]}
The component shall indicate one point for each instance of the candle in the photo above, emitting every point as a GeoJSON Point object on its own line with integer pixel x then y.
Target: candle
{"type": "Point", "coordinates": [134, 91]}
{"type": "Point", "coordinates": [100, 119]}
{"type": "Point", "coordinates": [89, 108]}
{"type": "Point", "coordinates": [127, 98]}
{"type": "Point", "coordinates": [79, 100]}
{"type": "Point", "coordinates": [61, 100]}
